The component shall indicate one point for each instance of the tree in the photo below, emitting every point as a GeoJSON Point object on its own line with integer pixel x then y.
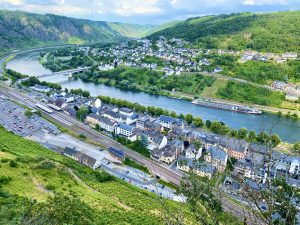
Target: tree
{"type": "Point", "coordinates": [82, 136]}
{"type": "Point", "coordinates": [216, 126]}
{"type": "Point", "coordinates": [200, 196]}
{"type": "Point", "coordinates": [251, 136]}
{"type": "Point", "coordinates": [208, 124]}
{"type": "Point", "coordinates": [82, 113]}
{"type": "Point", "coordinates": [198, 122]}
{"type": "Point", "coordinates": [233, 133]}
{"type": "Point", "coordinates": [28, 113]}
{"type": "Point", "coordinates": [189, 118]}
{"type": "Point", "coordinates": [86, 94]}
{"type": "Point", "coordinates": [275, 139]}
{"type": "Point", "coordinates": [242, 133]}
{"type": "Point", "coordinates": [263, 137]}
{"type": "Point", "coordinates": [296, 147]}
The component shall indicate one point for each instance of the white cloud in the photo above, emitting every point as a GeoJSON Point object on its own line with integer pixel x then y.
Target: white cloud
{"type": "Point", "coordinates": [145, 11]}
{"type": "Point", "coordinates": [265, 2]}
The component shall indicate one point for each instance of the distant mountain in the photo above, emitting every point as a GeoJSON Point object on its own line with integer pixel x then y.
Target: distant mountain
{"type": "Point", "coordinates": [131, 30]}
{"type": "Point", "coordinates": [274, 32]}
{"type": "Point", "coordinates": [162, 27]}
{"type": "Point", "coordinates": [20, 29]}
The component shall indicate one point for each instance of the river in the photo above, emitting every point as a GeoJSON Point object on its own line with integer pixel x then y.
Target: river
{"type": "Point", "coordinates": [288, 129]}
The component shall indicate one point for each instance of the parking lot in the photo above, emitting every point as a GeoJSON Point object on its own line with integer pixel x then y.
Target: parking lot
{"type": "Point", "coordinates": [12, 117]}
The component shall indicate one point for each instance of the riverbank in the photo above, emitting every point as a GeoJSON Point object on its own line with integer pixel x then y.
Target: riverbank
{"type": "Point", "coordinates": [288, 129]}
{"type": "Point", "coordinates": [269, 109]}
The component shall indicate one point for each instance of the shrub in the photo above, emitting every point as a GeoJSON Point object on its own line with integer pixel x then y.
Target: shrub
{"type": "Point", "coordinates": [50, 187]}
{"type": "Point", "coordinates": [13, 163]}
{"type": "Point", "coordinates": [46, 165]}
{"type": "Point", "coordinates": [5, 180]}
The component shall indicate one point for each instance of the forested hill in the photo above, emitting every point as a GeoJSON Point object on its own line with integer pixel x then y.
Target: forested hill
{"type": "Point", "coordinates": [270, 32]}
{"type": "Point", "coordinates": [20, 29]}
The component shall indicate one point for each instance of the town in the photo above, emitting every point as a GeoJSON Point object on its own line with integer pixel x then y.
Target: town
{"type": "Point", "coordinates": [168, 140]}
{"type": "Point", "coordinates": [173, 57]}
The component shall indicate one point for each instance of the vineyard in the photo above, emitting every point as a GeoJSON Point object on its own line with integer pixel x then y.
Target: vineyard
{"type": "Point", "coordinates": [30, 172]}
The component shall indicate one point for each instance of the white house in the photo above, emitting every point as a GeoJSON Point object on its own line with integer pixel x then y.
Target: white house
{"type": "Point", "coordinates": [40, 88]}
{"type": "Point", "coordinates": [107, 124]}
{"type": "Point", "coordinates": [167, 121]}
{"type": "Point", "coordinates": [124, 129]}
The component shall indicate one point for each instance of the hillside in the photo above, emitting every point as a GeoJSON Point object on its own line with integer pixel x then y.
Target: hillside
{"type": "Point", "coordinates": [20, 29]}
{"type": "Point", "coordinates": [267, 32]}
{"type": "Point", "coordinates": [131, 30]}
{"type": "Point", "coordinates": [39, 186]}
{"type": "Point", "coordinates": [162, 27]}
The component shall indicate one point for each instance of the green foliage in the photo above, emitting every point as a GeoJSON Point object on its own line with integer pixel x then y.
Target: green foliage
{"type": "Point", "coordinates": [32, 81]}
{"type": "Point", "coordinates": [13, 163]}
{"type": "Point", "coordinates": [28, 113]}
{"type": "Point", "coordinates": [137, 79]}
{"type": "Point", "coordinates": [14, 75]}
{"type": "Point", "coordinates": [46, 165]}
{"type": "Point", "coordinates": [249, 93]}
{"type": "Point", "coordinates": [134, 164]}
{"type": "Point", "coordinates": [198, 122]}
{"type": "Point", "coordinates": [82, 113]}
{"type": "Point", "coordinates": [189, 118]}
{"type": "Point", "coordinates": [275, 140]}
{"type": "Point", "coordinates": [82, 136]}
{"type": "Point", "coordinates": [36, 30]}
{"type": "Point", "coordinates": [296, 147]}
{"type": "Point", "coordinates": [80, 92]}
{"type": "Point", "coordinates": [4, 180]}
{"type": "Point", "coordinates": [242, 133]}
{"type": "Point", "coordinates": [98, 198]}
{"type": "Point", "coordinates": [266, 32]}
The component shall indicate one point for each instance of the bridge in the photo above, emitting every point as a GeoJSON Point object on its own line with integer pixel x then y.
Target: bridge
{"type": "Point", "coordinates": [65, 72]}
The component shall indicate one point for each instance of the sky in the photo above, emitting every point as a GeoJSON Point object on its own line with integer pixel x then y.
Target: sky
{"type": "Point", "coordinates": [146, 11]}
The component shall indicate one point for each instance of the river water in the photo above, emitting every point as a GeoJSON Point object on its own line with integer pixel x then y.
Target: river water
{"type": "Point", "coordinates": [288, 129]}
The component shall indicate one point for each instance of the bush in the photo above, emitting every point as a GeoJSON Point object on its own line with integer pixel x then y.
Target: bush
{"type": "Point", "coordinates": [4, 180]}
{"type": "Point", "coordinates": [13, 163]}
{"type": "Point", "coordinates": [102, 176]}
{"type": "Point", "coordinates": [4, 160]}
{"type": "Point", "coordinates": [46, 165]}
{"type": "Point", "coordinates": [50, 187]}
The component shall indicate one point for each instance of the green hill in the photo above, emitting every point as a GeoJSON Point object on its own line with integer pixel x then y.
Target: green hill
{"type": "Point", "coordinates": [20, 29]}
{"type": "Point", "coordinates": [269, 32]}
{"type": "Point", "coordinates": [131, 30]}
{"type": "Point", "coordinates": [162, 27]}
{"type": "Point", "coordinates": [38, 186]}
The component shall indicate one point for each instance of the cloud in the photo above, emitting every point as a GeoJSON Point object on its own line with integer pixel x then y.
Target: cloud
{"type": "Point", "coordinates": [146, 11]}
{"type": "Point", "coordinates": [266, 2]}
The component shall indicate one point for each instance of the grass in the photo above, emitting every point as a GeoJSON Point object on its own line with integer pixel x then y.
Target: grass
{"type": "Point", "coordinates": [168, 184]}
{"type": "Point", "coordinates": [136, 165]}
{"type": "Point", "coordinates": [211, 92]}
{"type": "Point", "coordinates": [32, 181]}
